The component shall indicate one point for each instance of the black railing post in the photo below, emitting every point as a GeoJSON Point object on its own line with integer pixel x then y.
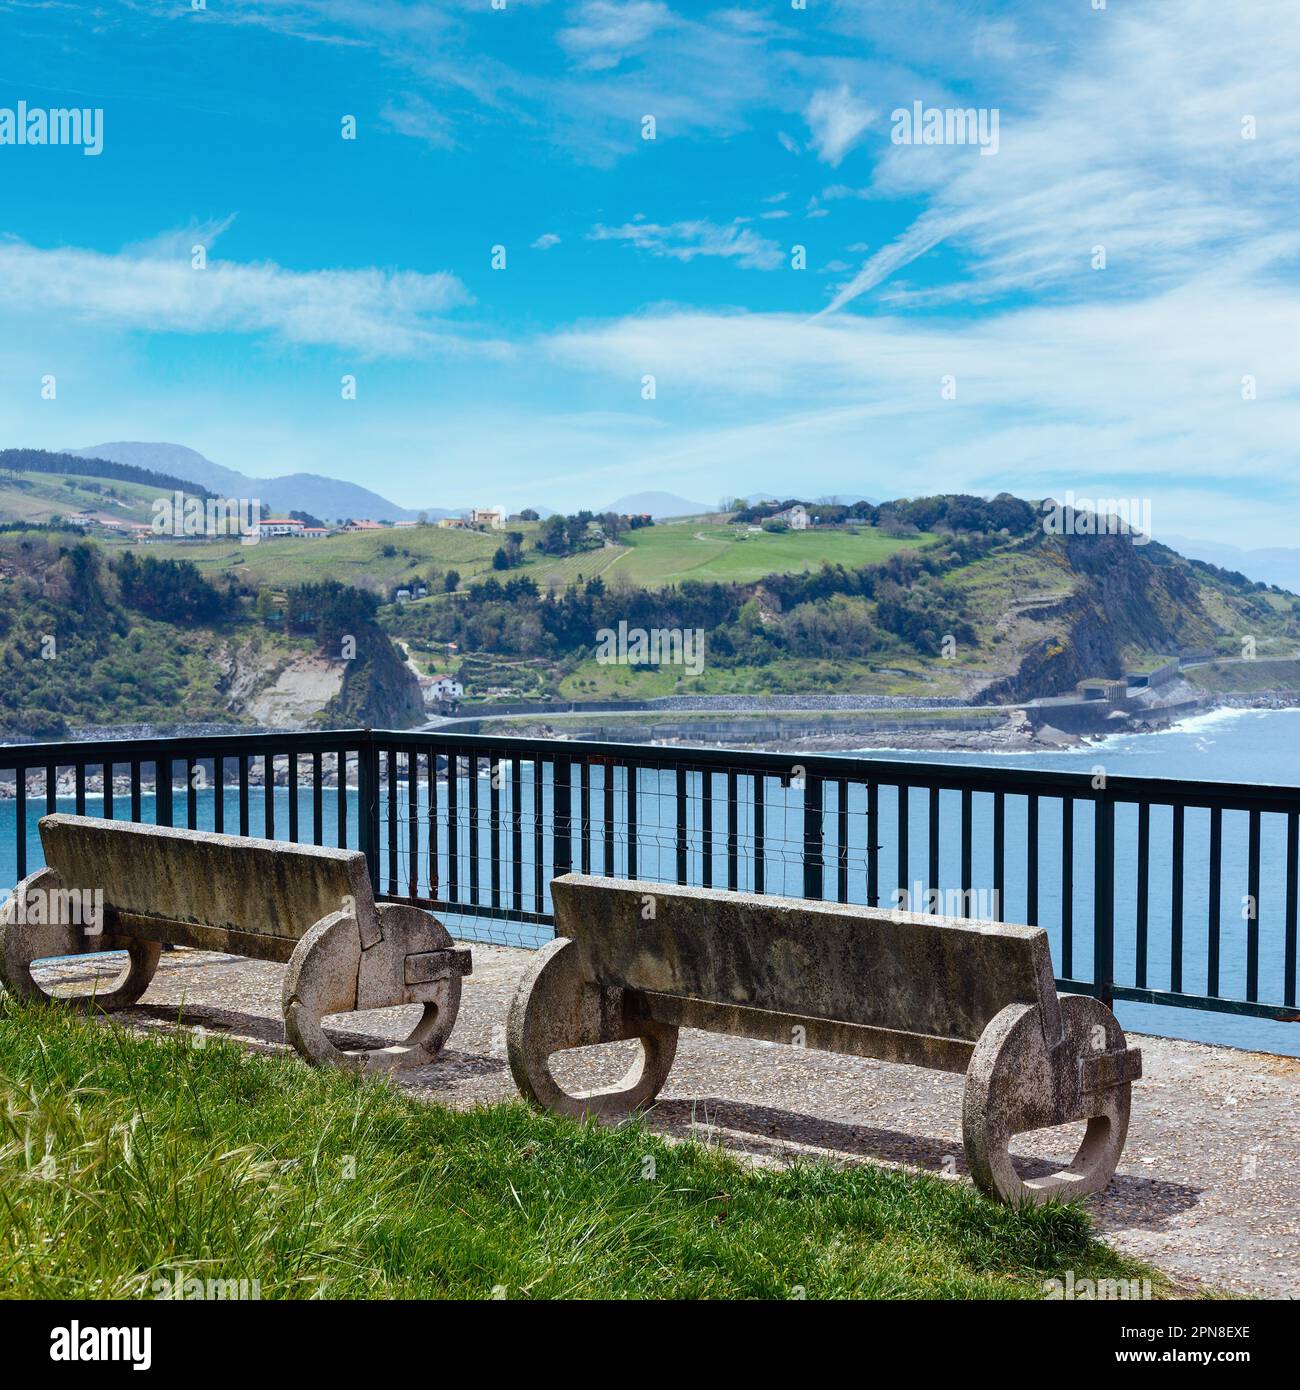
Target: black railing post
{"type": "Point", "coordinates": [812, 838]}
{"type": "Point", "coordinates": [1103, 916]}
{"type": "Point", "coordinates": [368, 805]}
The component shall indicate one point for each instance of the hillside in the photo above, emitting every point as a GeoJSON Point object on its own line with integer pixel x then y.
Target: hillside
{"type": "Point", "coordinates": [87, 643]}
{"type": "Point", "coordinates": [961, 611]}
{"type": "Point", "coordinates": [40, 497]}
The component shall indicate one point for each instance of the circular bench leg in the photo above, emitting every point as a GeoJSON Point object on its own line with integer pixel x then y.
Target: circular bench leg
{"type": "Point", "coordinates": [552, 1011]}
{"type": "Point", "coordinates": [322, 979]}
{"type": "Point", "coordinates": [1011, 1088]}
{"type": "Point", "coordinates": [22, 944]}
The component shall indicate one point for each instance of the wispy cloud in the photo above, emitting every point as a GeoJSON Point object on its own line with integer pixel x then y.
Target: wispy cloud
{"type": "Point", "coordinates": [1136, 146]}
{"type": "Point", "coordinates": [837, 121]}
{"type": "Point", "coordinates": [376, 312]}
{"type": "Point", "coordinates": [420, 120]}
{"type": "Point", "coordinates": [684, 241]}
{"type": "Point", "coordinates": [606, 31]}
{"type": "Point", "coordinates": [546, 241]}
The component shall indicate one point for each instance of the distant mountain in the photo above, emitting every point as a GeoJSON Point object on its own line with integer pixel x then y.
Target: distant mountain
{"type": "Point", "coordinates": [657, 504]}
{"type": "Point", "coordinates": [327, 498]}
{"type": "Point", "coordinates": [1278, 565]}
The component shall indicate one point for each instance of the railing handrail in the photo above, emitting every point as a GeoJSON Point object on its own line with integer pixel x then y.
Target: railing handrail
{"type": "Point", "coordinates": [1170, 791]}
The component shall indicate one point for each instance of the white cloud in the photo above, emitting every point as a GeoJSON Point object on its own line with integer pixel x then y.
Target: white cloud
{"type": "Point", "coordinates": [413, 116]}
{"type": "Point", "coordinates": [607, 31]}
{"type": "Point", "coordinates": [546, 241]}
{"type": "Point", "coordinates": [684, 241]}
{"type": "Point", "coordinates": [371, 311]}
{"type": "Point", "coordinates": [1143, 396]}
{"type": "Point", "coordinates": [1134, 144]}
{"type": "Point", "coordinates": [836, 120]}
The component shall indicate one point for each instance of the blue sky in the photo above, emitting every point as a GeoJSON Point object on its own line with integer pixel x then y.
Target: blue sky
{"type": "Point", "coordinates": [521, 127]}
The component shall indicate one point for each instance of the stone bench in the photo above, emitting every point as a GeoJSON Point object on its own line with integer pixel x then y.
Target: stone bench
{"type": "Point", "coordinates": [308, 906]}
{"type": "Point", "coordinates": [639, 961]}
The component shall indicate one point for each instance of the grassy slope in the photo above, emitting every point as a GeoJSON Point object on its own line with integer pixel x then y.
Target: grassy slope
{"type": "Point", "coordinates": [667, 554]}
{"type": "Point", "coordinates": [1246, 676]}
{"type": "Point", "coordinates": [355, 558]}
{"type": "Point", "coordinates": [40, 496]}
{"type": "Point", "coordinates": [124, 1160]}
{"type": "Point", "coordinates": [652, 557]}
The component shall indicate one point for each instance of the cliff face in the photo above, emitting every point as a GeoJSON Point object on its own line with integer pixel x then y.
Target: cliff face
{"type": "Point", "coordinates": [1127, 598]}
{"type": "Point", "coordinates": [379, 690]}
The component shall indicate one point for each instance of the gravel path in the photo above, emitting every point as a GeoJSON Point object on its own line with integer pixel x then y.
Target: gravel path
{"type": "Point", "coordinates": [1209, 1186]}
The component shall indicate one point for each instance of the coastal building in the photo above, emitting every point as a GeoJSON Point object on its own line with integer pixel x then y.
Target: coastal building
{"type": "Point", "coordinates": [441, 690]}
{"type": "Point", "coordinates": [279, 526]}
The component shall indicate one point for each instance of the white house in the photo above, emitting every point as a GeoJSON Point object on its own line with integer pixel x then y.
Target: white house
{"type": "Point", "coordinates": [494, 518]}
{"type": "Point", "coordinates": [279, 526]}
{"type": "Point", "coordinates": [796, 517]}
{"type": "Point", "coordinates": [441, 689]}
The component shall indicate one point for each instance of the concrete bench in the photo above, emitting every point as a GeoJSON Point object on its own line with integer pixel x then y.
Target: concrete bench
{"type": "Point", "coordinates": [310, 907]}
{"type": "Point", "coordinates": [639, 961]}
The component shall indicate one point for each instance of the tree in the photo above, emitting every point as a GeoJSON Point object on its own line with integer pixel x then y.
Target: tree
{"type": "Point", "coordinates": [451, 581]}
{"type": "Point", "coordinates": [529, 514]}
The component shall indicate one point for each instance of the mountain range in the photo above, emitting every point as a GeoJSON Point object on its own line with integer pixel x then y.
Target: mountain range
{"type": "Point", "coordinates": [327, 498]}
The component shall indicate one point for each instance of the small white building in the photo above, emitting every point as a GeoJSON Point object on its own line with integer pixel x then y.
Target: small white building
{"type": "Point", "coordinates": [795, 517]}
{"type": "Point", "coordinates": [279, 526]}
{"type": "Point", "coordinates": [441, 689]}
{"type": "Point", "coordinates": [494, 518]}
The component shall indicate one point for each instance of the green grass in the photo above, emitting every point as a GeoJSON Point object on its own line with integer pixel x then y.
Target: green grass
{"type": "Point", "coordinates": [590, 680]}
{"type": "Point", "coordinates": [351, 557]}
{"type": "Point", "coordinates": [1228, 677]}
{"type": "Point", "coordinates": [653, 557]}
{"type": "Point", "coordinates": [667, 554]}
{"type": "Point", "coordinates": [38, 497]}
{"type": "Point", "coordinates": [126, 1160]}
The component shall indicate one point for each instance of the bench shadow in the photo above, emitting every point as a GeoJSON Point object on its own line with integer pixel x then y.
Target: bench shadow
{"type": "Point", "coordinates": [266, 1034]}
{"type": "Point", "coordinates": [764, 1131]}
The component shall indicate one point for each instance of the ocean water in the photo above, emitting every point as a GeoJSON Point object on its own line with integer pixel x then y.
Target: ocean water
{"type": "Point", "coordinates": [1261, 746]}
{"type": "Point", "coordinates": [1246, 746]}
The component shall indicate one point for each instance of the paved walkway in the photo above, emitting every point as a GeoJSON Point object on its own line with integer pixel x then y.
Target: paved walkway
{"type": "Point", "coordinates": [1209, 1186]}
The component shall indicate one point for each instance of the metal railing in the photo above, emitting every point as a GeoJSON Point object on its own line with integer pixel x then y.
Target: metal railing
{"type": "Point", "coordinates": [1158, 891]}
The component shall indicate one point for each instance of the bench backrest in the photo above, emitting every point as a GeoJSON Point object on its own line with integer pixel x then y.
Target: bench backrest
{"type": "Point", "coordinates": [904, 971]}
{"type": "Point", "coordinates": [226, 883]}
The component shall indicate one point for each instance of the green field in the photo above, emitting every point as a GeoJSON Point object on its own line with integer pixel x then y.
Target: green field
{"type": "Point", "coordinates": [667, 554]}
{"type": "Point", "coordinates": [131, 1164]}
{"type": "Point", "coordinates": [38, 497]}
{"type": "Point", "coordinates": [357, 557]}
{"type": "Point", "coordinates": [590, 680]}
{"type": "Point", "coordinates": [650, 558]}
